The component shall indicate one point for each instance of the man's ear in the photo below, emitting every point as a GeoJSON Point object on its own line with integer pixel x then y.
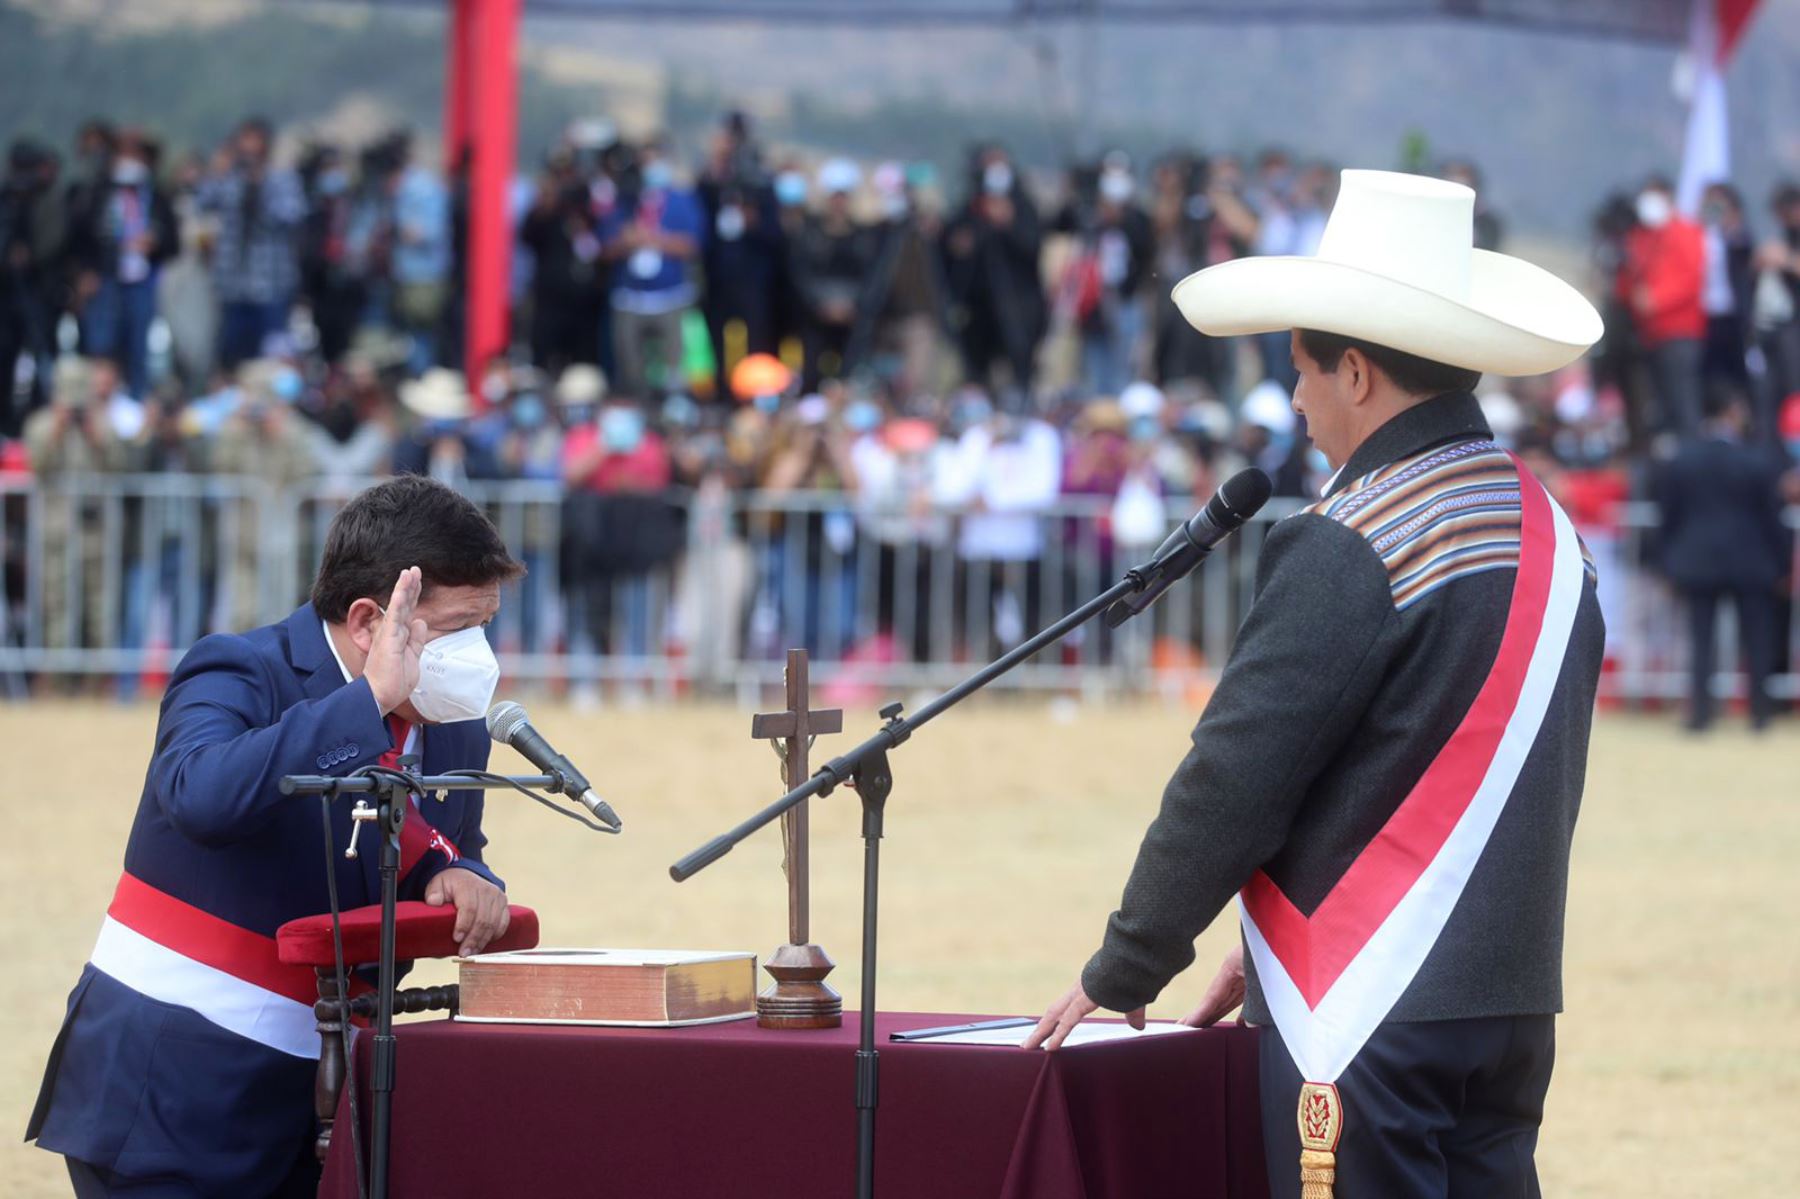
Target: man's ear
{"type": "Point", "coordinates": [1356, 375]}
{"type": "Point", "coordinates": [361, 622]}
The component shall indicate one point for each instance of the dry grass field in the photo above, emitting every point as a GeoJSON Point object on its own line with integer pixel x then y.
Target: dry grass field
{"type": "Point", "coordinates": [1010, 833]}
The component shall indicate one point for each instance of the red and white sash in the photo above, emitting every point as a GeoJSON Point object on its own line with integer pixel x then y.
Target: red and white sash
{"type": "Point", "coordinates": [1330, 978]}
{"type": "Point", "coordinates": [174, 952]}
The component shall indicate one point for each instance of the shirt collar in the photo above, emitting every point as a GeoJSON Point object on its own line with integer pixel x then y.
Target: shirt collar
{"type": "Point", "coordinates": [335, 656]}
{"type": "Point", "coordinates": [1453, 416]}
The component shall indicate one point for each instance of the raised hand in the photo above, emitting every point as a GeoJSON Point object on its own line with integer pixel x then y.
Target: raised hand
{"type": "Point", "coordinates": [393, 663]}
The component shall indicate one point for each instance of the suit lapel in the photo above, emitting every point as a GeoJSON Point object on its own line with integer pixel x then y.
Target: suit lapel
{"type": "Point", "coordinates": [310, 655]}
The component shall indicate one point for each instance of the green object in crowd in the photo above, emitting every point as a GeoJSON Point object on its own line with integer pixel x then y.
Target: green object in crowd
{"type": "Point", "coordinates": [697, 361]}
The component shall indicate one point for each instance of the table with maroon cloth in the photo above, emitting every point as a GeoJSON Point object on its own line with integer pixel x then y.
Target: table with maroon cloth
{"type": "Point", "coordinates": [730, 1110]}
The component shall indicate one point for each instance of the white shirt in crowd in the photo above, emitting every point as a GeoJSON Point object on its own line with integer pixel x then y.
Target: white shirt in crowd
{"type": "Point", "coordinates": [1015, 479]}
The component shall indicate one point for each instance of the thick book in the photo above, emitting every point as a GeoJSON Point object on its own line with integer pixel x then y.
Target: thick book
{"type": "Point", "coordinates": [638, 988]}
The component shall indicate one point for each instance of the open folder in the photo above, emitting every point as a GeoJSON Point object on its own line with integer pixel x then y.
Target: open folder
{"type": "Point", "coordinates": [1013, 1033]}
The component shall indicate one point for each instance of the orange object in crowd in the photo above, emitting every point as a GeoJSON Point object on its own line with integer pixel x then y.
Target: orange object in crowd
{"type": "Point", "coordinates": [759, 375]}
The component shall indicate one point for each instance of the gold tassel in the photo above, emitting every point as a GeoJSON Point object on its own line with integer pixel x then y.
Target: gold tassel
{"type": "Point", "coordinates": [1321, 1119]}
{"type": "Point", "coordinates": [1318, 1170]}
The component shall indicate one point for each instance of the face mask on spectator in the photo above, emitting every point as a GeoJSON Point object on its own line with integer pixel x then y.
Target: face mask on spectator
{"type": "Point", "coordinates": [528, 411]}
{"type": "Point", "coordinates": [1145, 428]}
{"type": "Point", "coordinates": [730, 223]}
{"type": "Point", "coordinates": [863, 416]}
{"type": "Point", "coordinates": [1654, 209]}
{"type": "Point", "coordinates": [129, 172]}
{"type": "Point", "coordinates": [621, 429]}
{"type": "Point", "coordinates": [577, 414]}
{"type": "Point", "coordinates": [997, 179]}
{"type": "Point", "coordinates": [1116, 187]}
{"type": "Point", "coordinates": [658, 175]}
{"type": "Point", "coordinates": [438, 429]}
{"type": "Point", "coordinates": [334, 182]}
{"type": "Point", "coordinates": [287, 385]}
{"type": "Point", "coordinates": [970, 412]}
{"type": "Point", "coordinates": [770, 404]}
{"type": "Point", "coordinates": [790, 188]}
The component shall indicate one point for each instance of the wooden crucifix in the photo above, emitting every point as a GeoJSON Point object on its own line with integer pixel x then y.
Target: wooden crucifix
{"type": "Point", "coordinates": [800, 997]}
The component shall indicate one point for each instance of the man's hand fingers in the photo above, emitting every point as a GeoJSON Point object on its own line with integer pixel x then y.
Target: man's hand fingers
{"type": "Point", "coordinates": [1070, 1018]}
{"type": "Point", "coordinates": [467, 909]}
{"type": "Point", "coordinates": [400, 603]}
{"type": "Point", "coordinates": [434, 891]}
{"type": "Point", "coordinates": [1045, 1027]}
{"type": "Point", "coordinates": [1221, 996]}
{"type": "Point", "coordinates": [490, 924]}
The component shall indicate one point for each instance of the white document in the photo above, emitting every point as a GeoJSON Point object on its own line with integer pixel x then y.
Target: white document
{"type": "Point", "coordinates": [1086, 1033]}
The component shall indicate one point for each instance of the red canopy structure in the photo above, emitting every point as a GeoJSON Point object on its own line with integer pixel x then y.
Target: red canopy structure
{"type": "Point", "coordinates": [481, 123]}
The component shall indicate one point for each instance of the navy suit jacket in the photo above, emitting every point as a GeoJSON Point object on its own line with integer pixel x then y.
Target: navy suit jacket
{"type": "Point", "coordinates": [145, 1087]}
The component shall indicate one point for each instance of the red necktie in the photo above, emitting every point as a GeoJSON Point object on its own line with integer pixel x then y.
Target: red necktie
{"type": "Point", "coordinates": [417, 836]}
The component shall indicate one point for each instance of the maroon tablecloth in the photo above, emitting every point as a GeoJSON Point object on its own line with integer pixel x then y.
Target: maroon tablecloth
{"type": "Point", "coordinates": [730, 1111]}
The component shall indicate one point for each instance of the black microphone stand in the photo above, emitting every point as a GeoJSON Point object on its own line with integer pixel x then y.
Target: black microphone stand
{"type": "Point", "coordinates": [866, 769]}
{"type": "Point", "coordinates": [391, 789]}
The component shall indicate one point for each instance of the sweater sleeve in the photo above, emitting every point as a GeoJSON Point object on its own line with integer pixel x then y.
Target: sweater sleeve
{"type": "Point", "coordinates": [1308, 659]}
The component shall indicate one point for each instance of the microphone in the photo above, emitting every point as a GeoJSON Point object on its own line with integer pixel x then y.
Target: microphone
{"type": "Point", "coordinates": [508, 724]}
{"type": "Point", "coordinates": [1233, 504]}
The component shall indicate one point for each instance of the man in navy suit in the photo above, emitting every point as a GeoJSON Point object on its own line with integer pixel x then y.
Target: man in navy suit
{"type": "Point", "coordinates": [1720, 497]}
{"type": "Point", "coordinates": [185, 1063]}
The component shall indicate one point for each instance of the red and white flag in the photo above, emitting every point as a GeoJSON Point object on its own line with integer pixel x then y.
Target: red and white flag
{"type": "Point", "coordinates": [1713, 32]}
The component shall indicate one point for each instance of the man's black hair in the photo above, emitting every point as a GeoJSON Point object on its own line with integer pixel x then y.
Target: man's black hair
{"type": "Point", "coordinates": [408, 521]}
{"type": "Point", "coordinates": [1410, 373]}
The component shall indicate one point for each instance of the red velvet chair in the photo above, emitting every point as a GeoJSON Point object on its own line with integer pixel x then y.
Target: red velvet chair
{"type": "Point", "coordinates": [420, 931]}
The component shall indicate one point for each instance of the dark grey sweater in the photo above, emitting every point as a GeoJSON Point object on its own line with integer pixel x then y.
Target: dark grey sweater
{"type": "Point", "coordinates": [1376, 621]}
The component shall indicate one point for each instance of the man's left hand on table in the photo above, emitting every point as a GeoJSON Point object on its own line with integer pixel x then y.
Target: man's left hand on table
{"type": "Point", "coordinates": [481, 913]}
{"type": "Point", "coordinates": [1065, 1014]}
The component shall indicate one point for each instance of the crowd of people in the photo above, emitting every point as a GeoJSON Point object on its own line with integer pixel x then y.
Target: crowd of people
{"type": "Point", "coordinates": [956, 358]}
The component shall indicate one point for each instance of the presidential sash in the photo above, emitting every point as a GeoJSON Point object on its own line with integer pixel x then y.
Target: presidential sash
{"type": "Point", "coordinates": [1330, 978]}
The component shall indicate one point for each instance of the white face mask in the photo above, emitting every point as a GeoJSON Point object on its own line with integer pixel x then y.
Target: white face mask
{"type": "Point", "coordinates": [457, 677]}
{"type": "Point", "coordinates": [1654, 209]}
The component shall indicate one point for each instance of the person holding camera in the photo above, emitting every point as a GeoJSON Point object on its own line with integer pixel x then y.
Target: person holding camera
{"type": "Point", "coordinates": [256, 268]}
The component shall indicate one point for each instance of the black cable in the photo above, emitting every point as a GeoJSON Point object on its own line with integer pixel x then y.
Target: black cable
{"type": "Point", "coordinates": [560, 810]}
{"type": "Point", "coordinates": [343, 983]}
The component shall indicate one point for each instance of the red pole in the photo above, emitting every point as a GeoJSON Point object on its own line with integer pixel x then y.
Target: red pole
{"type": "Point", "coordinates": [493, 115]}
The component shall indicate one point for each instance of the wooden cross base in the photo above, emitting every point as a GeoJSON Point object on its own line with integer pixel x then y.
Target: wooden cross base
{"type": "Point", "coordinates": [800, 998]}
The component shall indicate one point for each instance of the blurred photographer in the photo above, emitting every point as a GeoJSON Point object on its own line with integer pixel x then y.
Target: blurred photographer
{"type": "Point", "coordinates": [571, 279]}
{"type": "Point", "coordinates": [745, 256]}
{"type": "Point", "coordinates": [1101, 291]}
{"type": "Point", "coordinates": [653, 238]}
{"type": "Point", "coordinates": [265, 441]}
{"type": "Point", "coordinates": [118, 243]}
{"type": "Point", "coordinates": [991, 248]}
{"type": "Point", "coordinates": [832, 259]}
{"type": "Point", "coordinates": [31, 236]}
{"type": "Point", "coordinates": [255, 260]}
{"type": "Point", "coordinates": [70, 443]}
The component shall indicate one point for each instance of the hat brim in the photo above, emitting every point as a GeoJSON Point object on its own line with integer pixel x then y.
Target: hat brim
{"type": "Point", "coordinates": [436, 405]}
{"type": "Point", "coordinates": [1519, 320]}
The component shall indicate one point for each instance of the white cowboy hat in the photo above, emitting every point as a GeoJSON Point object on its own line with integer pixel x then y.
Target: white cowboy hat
{"type": "Point", "coordinates": [1397, 267]}
{"type": "Point", "coordinates": [580, 384]}
{"type": "Point", "coordinates": [438, 394]}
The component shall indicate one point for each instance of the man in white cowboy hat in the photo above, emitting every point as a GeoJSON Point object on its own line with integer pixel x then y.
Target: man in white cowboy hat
{"type": "Point", "coordinates": [439, 444]}
{"type": "Point", "coordinates": [1389, 772]}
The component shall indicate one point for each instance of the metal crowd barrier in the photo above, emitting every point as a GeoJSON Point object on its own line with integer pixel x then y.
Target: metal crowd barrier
{"type": "Point", "coordinates": [113, 576]}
